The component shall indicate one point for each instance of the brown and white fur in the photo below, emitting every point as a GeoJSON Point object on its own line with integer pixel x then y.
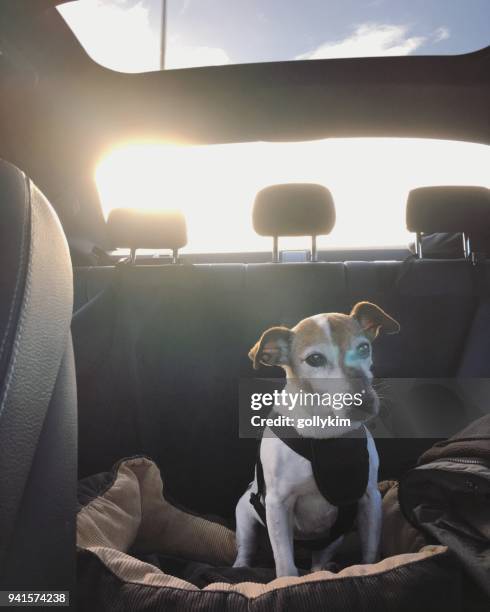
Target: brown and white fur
{"type": "Point", "coordinates": [295, 506]}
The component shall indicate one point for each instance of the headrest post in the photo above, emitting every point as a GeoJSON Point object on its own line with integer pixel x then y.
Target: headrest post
{"type": "Point", "coordinates": [275, 249]}
{"type": "Point", "coordinates": [466, 246]}
{"type": "Point", "coordinates": [418, 245]}
{"type": "Point", "coordinates": [132, 256]}
{"type": "Point", "coordinates": [175, 256]}
{"type": "Point", "coordinates": [314, 254]}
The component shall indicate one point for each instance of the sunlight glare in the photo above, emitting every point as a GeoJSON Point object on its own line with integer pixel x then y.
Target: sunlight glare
{"type": "Point", "coordinates": [215, 185]}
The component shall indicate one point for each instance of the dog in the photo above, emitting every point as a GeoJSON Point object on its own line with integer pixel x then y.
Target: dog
{"type": "Point", "coordinates": [335, 347]}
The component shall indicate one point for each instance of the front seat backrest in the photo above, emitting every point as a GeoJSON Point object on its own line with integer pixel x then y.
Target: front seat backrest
{"type": "Point", "coordinates": [37, 392]}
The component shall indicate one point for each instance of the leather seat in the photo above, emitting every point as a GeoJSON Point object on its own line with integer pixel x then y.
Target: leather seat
{"type": "Point", "coordinates": [38, 441]}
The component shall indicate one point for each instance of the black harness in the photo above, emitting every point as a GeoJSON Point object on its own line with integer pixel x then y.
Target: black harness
{"type": "Point", "coordinates": [341, 471]}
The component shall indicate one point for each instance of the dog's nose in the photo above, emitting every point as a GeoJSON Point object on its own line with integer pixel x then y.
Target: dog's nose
{"type": "Point", "coordinates": [368, 407]}
{"type": "Point", "coordinates": [358, 381]}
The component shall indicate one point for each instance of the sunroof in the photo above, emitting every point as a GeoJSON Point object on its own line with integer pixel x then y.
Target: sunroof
{"type": "Point", "coordinates": [144, 35]}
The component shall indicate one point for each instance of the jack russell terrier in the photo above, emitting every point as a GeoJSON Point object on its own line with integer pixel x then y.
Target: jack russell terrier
{"type": "Point", "coordinates": [313, 486]}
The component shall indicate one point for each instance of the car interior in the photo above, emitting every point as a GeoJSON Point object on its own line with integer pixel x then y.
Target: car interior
{"type": "Point", "coordinates": [122, 351]}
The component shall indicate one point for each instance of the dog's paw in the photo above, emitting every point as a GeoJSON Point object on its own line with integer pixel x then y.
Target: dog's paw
{"type": "Point", "coordinates": [331, 566]}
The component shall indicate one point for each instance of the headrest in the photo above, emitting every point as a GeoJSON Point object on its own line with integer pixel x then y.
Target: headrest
{"type": "Point", "coordinates": [294, 209]}
{"type": "Point", "coordinates": [135, 229]}
{"type": "Point", "coordinates": [449, 209]}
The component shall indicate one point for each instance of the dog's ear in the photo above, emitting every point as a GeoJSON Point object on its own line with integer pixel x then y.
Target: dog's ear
{"type": "Point", "coordinates": [273, 347]}
{"type": "Point", "coordinates": [373, 320]}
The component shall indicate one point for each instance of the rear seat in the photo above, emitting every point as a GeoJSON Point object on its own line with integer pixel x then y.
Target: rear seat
{"type": "Point", "coordinates": [440, 303]}
{"type": "Point", "coordinates": [158, 355]}
{"type": "Point", "coordinates": [435, 304]}
{"type": "Point", "coordinates": [283, 294]}
{"type": "Point", "coordinates": [434, 301]}
{"type": "Point", "coordinates": [185, 347]}
{"type": "Point", "coordinates": [161, 349]}
{"type": "Point", "coordinates": [89, 282]}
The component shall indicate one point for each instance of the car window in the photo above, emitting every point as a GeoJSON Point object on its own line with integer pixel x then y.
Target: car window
{"type": "Point", "coordinates": [215, 185]}
{"type": "Point", "coordinates": [145, 35]}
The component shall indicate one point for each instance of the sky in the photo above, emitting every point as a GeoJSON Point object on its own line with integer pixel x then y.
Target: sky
{"type": "Point", "coordinates": [209, 32]}
{"type": "Point", "coordinates": [369, 178]}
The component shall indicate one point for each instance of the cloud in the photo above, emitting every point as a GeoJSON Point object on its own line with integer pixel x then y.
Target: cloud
{"type": "Point", "coordinates": [369, 40]}
{"type": "Point", "coordinates": [441, 33]}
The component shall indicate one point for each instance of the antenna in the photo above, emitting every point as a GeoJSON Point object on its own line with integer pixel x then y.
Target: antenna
{"type": "Point", "coordinates": [163, 35]}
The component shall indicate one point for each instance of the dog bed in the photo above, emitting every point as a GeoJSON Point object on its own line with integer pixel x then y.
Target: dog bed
{"type": "Point", "coordinates": [137, 551]}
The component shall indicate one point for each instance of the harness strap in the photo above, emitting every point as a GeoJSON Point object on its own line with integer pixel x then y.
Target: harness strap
{"type": "Point", "coordinates": [255, 498]}
{"type": "Point", "coordinates": [347, 505]}
{"type": "Point", "coordinates": [345, 516]}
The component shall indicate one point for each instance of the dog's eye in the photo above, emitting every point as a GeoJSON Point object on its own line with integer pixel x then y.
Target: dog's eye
{"type": "Point", "coordinates": [364, 350]}
{"type": "Point", "coordinates": [316, 360]}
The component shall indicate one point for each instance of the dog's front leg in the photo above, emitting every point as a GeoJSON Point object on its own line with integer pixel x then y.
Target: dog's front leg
{"type": "Point", "coordinates": [279, 515]}
{"type": "Point", "coordinates": [369, 524]}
